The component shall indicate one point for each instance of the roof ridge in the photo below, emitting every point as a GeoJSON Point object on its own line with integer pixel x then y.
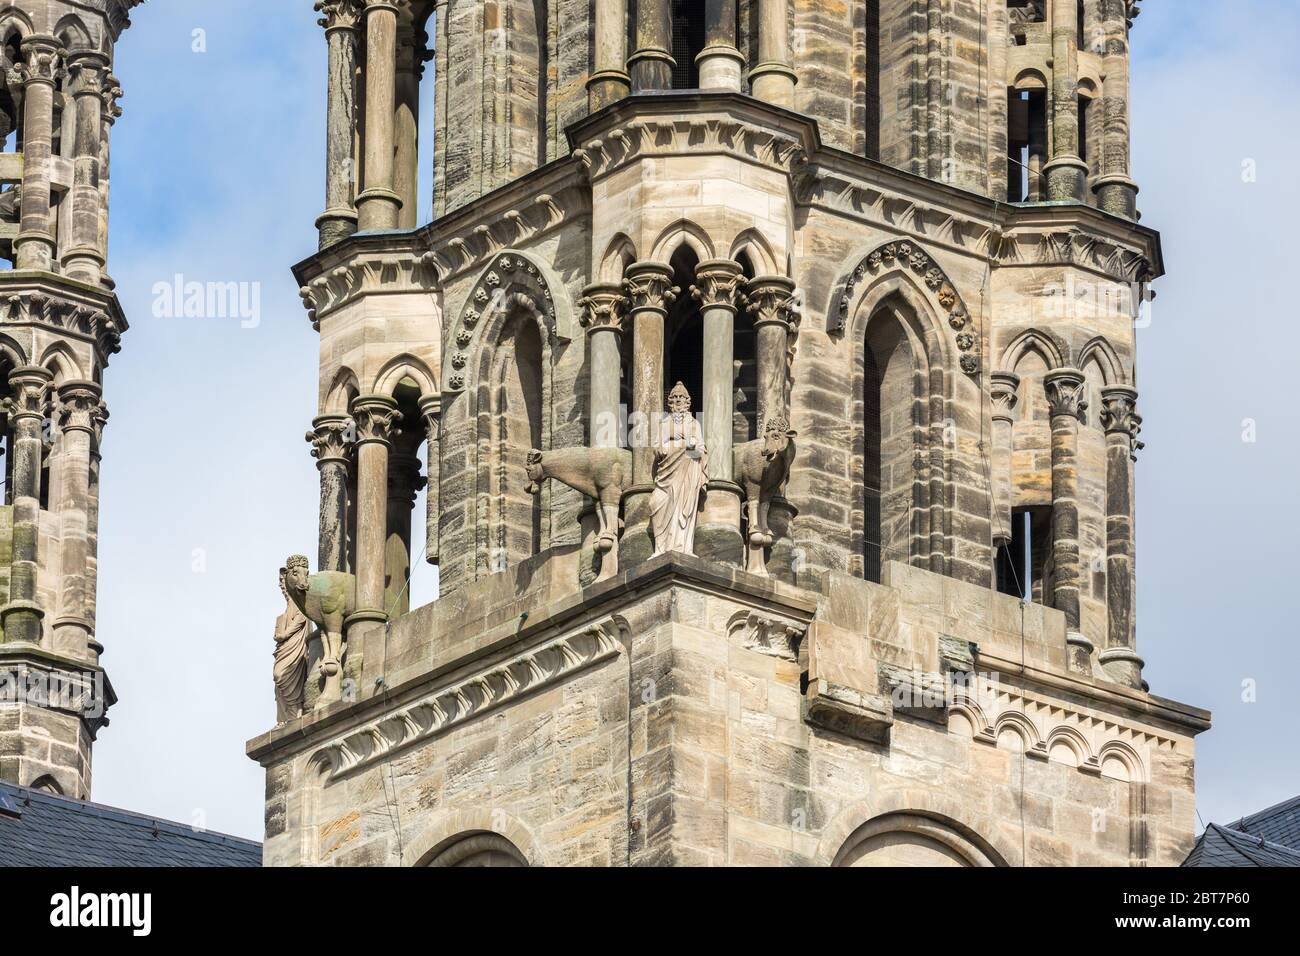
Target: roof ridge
{"type": "Point", "coordinates": [1253, 840]}
{"type": "Point", "coordinates": [1267, 811]}
{"type": "Point", "coordinates": [129, 817]}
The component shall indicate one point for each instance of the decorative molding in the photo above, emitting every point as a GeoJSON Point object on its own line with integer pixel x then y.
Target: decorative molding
{"type": "Point", "coordinates": [504, 224]}
{"type": "Point", "coordinates": [695, 135]}
{"type": "Point", "coordinates": [1119, 415]}
{"type": "Point", "coordinates": [901, 255]}
{"type": "Point", "coordinates": [450, 705]}
{"type": "Point", "coordinates": [1066, 389]}
{"type": "Point", "coordinates": [385, 273]}
{"type": "Point", "coordinates": [1044, 724]}
{"type": "Point", "coordinates": [331, 438]}
{"type": "Point", "coordinates": [602, 306]}
{"type": "Point", "coordinates": [511, 278]}
{"type": "Point", "coordinates": [766, 633]}
{"type": "Point", "coordinates": [84, 319]}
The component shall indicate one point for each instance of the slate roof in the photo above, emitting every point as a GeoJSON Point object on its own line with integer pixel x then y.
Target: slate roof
{"type": "Point", "coordinates": [42, 829]}
{"type": "Point", "coordinates": [1277, 824]}
{"type": "Point", "coordinates": [1221, 846]}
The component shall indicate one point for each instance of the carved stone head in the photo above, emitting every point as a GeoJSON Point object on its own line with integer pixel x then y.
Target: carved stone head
{"type": "Point", "coordinates": [533, 468]}
{"type": "Point", "coordinates": [776, 436]}
{"type": "Point", "coordinates": [679, 400]}
{"type": "Point", "coordinates": [296, 572]}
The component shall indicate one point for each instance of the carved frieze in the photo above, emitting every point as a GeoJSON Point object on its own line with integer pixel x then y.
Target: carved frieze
{"type": "Point", "coordinates": [682, 134]}
{"type": "Point", "coordinates": [389, 273]}
{"type": "Point", "coordinates": [451, 704]}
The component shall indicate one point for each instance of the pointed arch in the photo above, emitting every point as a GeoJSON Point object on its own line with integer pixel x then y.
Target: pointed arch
{"type": "Point", "coordinates": [401, 367]}
{"type": "Point", "coordinates": [752, 243]}
{"type": "Point", "coordinates": [11, 352]}
{"type": "Point", "coordinates": [62, 363]}
{"type": "Point", "coordinates": [47, 784]}
{"type": "Point", "coordinates": [343, 388]}
{"type": "Point", "coordinates": [619, 254]}
{"type": "Point", "coordinates": [76, 37]}
{"type": "Point", "coordinates": [683, 232]}
{"type": "Point", "coordinates": [14, 20]}
{"type": "Point", "coordinates": [906, 260]}
{"type": "Point", "coordinates": [1107, 359]}
{"type": "Point", "coordinates": [1032, 340]}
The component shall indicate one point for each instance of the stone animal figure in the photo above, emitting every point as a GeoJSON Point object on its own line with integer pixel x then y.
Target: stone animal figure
{"type": "Point", "coordinates": [326, 599]}
{"type": "Point", "coordinates": [760, 467]}
{"type": "Point", "coordinates": [600, 473]}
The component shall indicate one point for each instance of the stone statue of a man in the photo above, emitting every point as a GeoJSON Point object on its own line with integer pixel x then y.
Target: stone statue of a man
{"type": "Point", "coordinates": [680, 475]}
{"type": "Point", "coordinates": [291, 632]}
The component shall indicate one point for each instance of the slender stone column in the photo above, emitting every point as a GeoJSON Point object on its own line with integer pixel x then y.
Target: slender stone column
{"type": "Point", "coordinates": [1067, 173]}
{"type": "Point", "coordinates": [609, 82]}
{"type": "Point", "coordinates": [651, 64]}
{"type": "Point", "coordinates": [1116, 192]}
{"type": "Point", "coordinates": [718, 535]}
{"type": "Point", "coordinates": [772, 79]}
{"type": "Point", "coordinates": [772, 305]}
{"type": "Point", "coordinates": [404, 481]}
{"type": "Point", "coordinates": [1121, 421]}
{"type": "Point", "coordinates": [1004, 394]}
{"type": "Point", "coordinates": [92, 524]}
{"type": "Point", "coordinates": [331, 441]}
{"type": "Point", "coordinates": [109, 113]}
{"type": "Point", "coordinates": [35, 246]}
{"type": "Point", "coordinates": [650, 292]}
{"type": "Point", "coordinates": [379, 206]}
{"type": "Point", "coordinates": [82, 257]}
{"type": "Point", "coordinates": [78, 410]}
{"type": "Point", "coordinates": [339, 220]}
{"type": "Point", "coordinates": [603, 307]}
{"type": "Point", "coordinates": [410, 68]}
{"type": "Point", "coordinates": [720, 62]}
{"type": "Point", "coordinates": [376, 419]}
{"type": "Point", "coordinates": [431, 413]}
{"type": "Point", "coordinates": [22, 615]}
{"type": "Point", "coordinates": [1065, 391]}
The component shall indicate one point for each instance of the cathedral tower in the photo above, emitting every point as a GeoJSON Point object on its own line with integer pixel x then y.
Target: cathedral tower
{"type": "Point", "coordinates": [60, 321]}
{"type": "Point", "coordinates": [873, 601]}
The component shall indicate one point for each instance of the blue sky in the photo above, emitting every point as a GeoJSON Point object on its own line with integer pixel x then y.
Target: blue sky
{"type": "Point", "coordinates": [207, 482]}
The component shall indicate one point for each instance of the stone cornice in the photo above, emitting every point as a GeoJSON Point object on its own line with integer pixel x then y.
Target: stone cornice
{"type": "Point", "coordinates": [65, 305]}
{"type": "Point", "coordinates": [17, 660]}
{"type": "Point", "coordinates": [380, 264]}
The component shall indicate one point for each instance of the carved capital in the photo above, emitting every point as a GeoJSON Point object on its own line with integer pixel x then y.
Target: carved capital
{"type": "Point", "coordinates": [30, 386]}
{"type": "Point", "coordinates": [1004, 393]}
{"type": "Point", "coordinates": [1119, 415]}
{"type": "Point", "coordinates": [772, 301]}
{"type": "Point", "coordinates": [649, 286]}
{"type": "Point", "coordinates": [331, 438]}
{"type": "Point", "coordinates": [602, 307]}
{"type": "Point", "coordinates": [431, 414]}
{"type": "Point", "coordinates": [1065, 392]}
{"type": "Point", "coordinates": [88, 74]}
{"type": "Point", "coordinates": [42, 60]}
{"type": "Point", "coordinates": [718, 283]}
{"type": "Point", "coordinates": [404, 478]}
{"type": "Point", "coordinates": [339, 14]}
{"type": "Point", "coordinates": [79, 407]}
{"type": "Point", "coordinates": [376, 419]}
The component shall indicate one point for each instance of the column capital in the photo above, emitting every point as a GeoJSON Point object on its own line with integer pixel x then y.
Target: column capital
{"type": "Point", "coordinates": [339, 14]}
{"type": "Point", "coordinates": [603, 306]}
{"type": "Point", "coordinates": [1119, 415]}
{"type": "Point", "coordinates": [431, 411]}
{"type": "Point", "coordinates": [404, 478]}
{"type": "Point", "coordinates": [42, 59]}
{"type": "Point", "coordinates": [30, 385]}
{"type": "Point", "coordinates": [1004, 392]}
{"type": "Point", "coordinates": [772, 301]}
{"type": "Point", "coordinates": [1065, 391]}
{"type": "Point", "coordinates": [331, 438]}
{"type": "Point", "coordinates": [79, 407]}
{"type": "Point", "coordinates": [89, 71]}
{"type": "Point", "coordinates": [719, 283]}
{"type": "Point", "coordinates": [648, 285]}
{"type": "Point", "coordinates": [376, 418]}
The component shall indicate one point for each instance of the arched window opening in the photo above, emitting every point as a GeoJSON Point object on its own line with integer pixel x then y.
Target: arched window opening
{"type": "Point", "coordinates": [688, 43]}
{"type": "Point", "coordinates": [890, 415]}
{"type": "Point", "coordinates": [871, 121]}
{"type": "Point", "coordinates": [684, 332]}
{"type": "Point", "coordinates": [477, 849]}
{"type": "Point", "coordinates": [405, 479]}
{"type": "Point", "coordinates": [1081, 26]}
{"type": "Point", "coordinates": [745, 358]}
{"type": "Point", "coordinates": [517, 427]}
{"type": "Point", "coordinates": [1026, 143]}
{"type": "Point", "coordinates": [541, 19]}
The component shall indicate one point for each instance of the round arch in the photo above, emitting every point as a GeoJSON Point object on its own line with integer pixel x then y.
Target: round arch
{"type": "Point", "coordinates": [937, 817]}
{"type": "Point", "coordinates": [440, 843]}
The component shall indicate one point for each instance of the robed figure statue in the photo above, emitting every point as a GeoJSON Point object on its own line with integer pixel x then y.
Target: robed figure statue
{"type": "Point", "coordinates": [291, 632]}
{"type": "Point", "coordinates": [680, 476]}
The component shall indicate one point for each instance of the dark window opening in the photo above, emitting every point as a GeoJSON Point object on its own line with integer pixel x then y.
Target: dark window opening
{"type": "Point", "coordinates": [1081, 17]}
{"type": "Point", "coordinates": [540, 14]}
{"type": "Point", "coordinates": [1083, 128]}
{"type": "Point", "coordinates": [688, 42]}
{"type": "Point", "coordinates": [872, 466]}
{"type": "Point", "coordinates": [872, 120]}
{"type": "Point", "coordinates": [684, 333]}
{"type": "Point", "coordinates": [745, 359]}
{"type": "Point", "coordinates": [1024, 566]}
{"type": "Point", "coordinates": [1026, 144]}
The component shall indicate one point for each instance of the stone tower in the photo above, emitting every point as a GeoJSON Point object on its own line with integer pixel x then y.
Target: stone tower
{"type": "Point", "coordinates": [59, 323]}
{"type": "Point", "coordinates": [890, 250]}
